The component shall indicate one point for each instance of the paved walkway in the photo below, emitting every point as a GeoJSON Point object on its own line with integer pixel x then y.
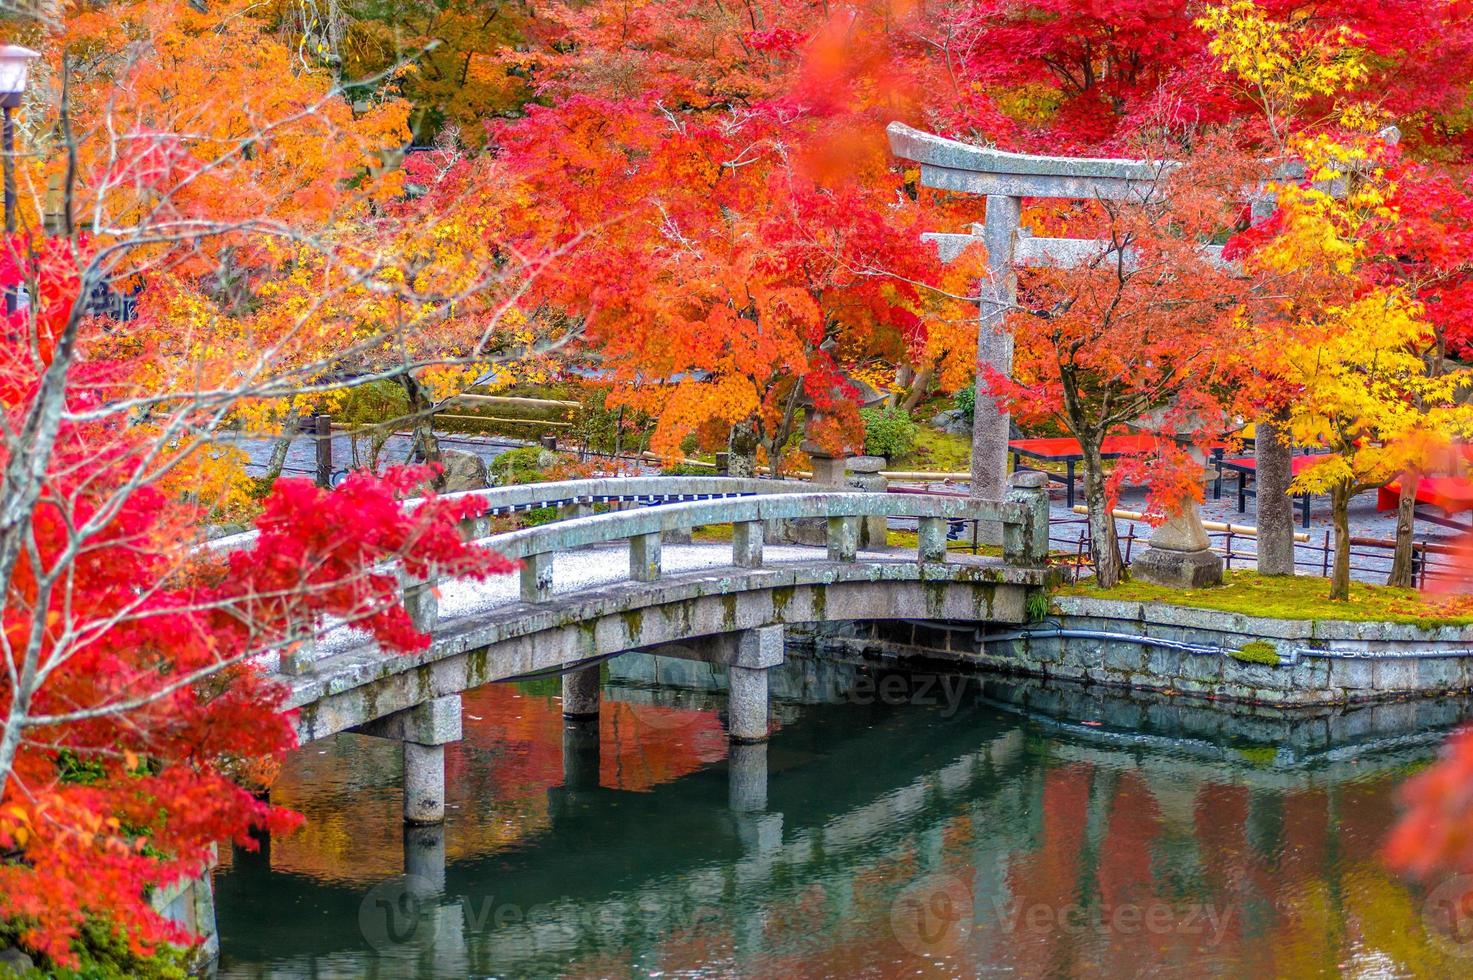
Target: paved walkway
{"type": "Point", "coordinates": [587, 568]}
{"type": "Point", "coordinates": [301, 458]}
{"type": "Point", "coordinates": [1368, 564]}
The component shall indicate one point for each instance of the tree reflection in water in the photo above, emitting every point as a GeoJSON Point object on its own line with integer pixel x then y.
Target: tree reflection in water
{"type": "Point", "coordinates": [893, 835]}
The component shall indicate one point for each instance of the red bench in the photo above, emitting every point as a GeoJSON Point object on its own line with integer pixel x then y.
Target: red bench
{"type": "Point", "coordinates": [1450, 494]}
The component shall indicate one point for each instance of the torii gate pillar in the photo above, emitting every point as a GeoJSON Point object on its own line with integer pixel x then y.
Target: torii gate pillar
{"type": "Point", "coordinates": [991, 426]}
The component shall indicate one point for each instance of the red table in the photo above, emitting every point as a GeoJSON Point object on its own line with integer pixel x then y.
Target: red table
{"type": "Point", "coordinates": [1065, 449]}
{"type": "Point", "coordinates": [1451, 494]}
{"type": "Point", "coordinates": [1247, 466]}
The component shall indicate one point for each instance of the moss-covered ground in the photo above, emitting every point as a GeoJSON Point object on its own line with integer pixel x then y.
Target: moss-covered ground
{"type": "Point", "coordinates": [1291, 597]}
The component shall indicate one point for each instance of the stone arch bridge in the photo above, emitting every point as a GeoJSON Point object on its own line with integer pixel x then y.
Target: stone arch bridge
{"type": "Point", "coordinates": [578, 603]}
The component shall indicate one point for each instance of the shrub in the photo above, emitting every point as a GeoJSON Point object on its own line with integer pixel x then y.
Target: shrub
{"type": "Point", "coordinates": [375, 403]}
{"type": "Point", "coordinates": [525, 465]}
{"type": "Point", "coordinates": [888, 431]}
{"type": "Point", "coordinates": [610, 430]}
{"type": "Point", "coordinates": [965, 401]}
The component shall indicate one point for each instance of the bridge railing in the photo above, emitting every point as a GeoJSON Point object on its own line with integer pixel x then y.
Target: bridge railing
{"type": "Point", "coordinates": [576, 494]}
{"type": "Point", "coordinates": [694, 502]}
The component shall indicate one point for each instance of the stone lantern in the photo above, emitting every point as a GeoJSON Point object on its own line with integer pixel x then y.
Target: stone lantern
{"type": "Point", "coordinates": [1179, 554]}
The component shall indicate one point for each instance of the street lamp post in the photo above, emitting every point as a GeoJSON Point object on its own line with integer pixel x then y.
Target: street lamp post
{"type": "Point", "coordinates": [15, 61]}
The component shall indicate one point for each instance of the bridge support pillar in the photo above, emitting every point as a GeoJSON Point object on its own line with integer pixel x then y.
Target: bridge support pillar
{"type": "Point", "coordinates": [758, 651]}
{"type": "Point", "coordinates": [424, 858]}
{"type": "Point", "coordinates": [746, 772]}
{"type": "Point", "coordinates": [581, 693]}
{"type": "Point", "coordinates": [424, 783]}
{"type": "Point", "coordinates": [580, 754]}
{"type": "Point", "coordinates": [424, 730]}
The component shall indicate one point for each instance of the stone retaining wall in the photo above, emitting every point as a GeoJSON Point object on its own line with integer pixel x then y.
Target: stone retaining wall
{"type": "Point", "coordinates": [1201, 652]}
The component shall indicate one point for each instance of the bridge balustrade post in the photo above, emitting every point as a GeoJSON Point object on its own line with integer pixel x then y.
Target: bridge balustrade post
{"type": "Point", "coordinates": [843, 538]}
{"type": "Point", "coordinates": [472, 528]}
{"type": "Point", "coordinates": [581, 695]}
{"type": "Point", "coordinates": [1026, 543]}
{"type": "Point", "coordinates": [421, 602]}
{"type": "Point", "coordinates": [298, 653]}
{"type": "Point", "coordinates": [644, 557]}
{"type": "Point", "coordinates": [536, 578]}
{"type": "Point", "coordinates": [758, 651]}
{"type": "Point", "coordinates": [746, 544]}
{"type": "Point", "coordinates": [931, 539]}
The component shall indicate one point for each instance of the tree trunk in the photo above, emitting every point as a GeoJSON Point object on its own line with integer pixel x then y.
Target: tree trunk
{"type": "Point", "coordinates": [1401, 560]}
{"type": "Point", "coordinates": [920, 384]}
{"type": "Point", "coordinates": [426, 448]}
{"type": "Point", "coordinates": [1275, 457]}
{"type": "Point", "coordinates": [741, 448]}
{"type": "Point", "coordinates": [279, 449]}
{"type": "Point", "coordinates": [1107, 561]}
{"type": "Point", "coordinates": [1340, 574]}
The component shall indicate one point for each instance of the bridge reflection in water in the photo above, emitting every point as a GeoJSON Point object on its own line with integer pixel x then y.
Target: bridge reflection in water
{"type": "Point", "coordinates": [933, 826]}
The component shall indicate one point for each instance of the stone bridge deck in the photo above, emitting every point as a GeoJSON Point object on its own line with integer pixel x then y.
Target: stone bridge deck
{"type": "Point", "coordinates": [594, 586]}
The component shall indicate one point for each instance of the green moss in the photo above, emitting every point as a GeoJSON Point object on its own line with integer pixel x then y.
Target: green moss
{"type": "Point", "coordinates": [1287, 597]}
{"type": "Point", "coordinates": [1257, 652]}
{"type": "Point", "coordinates": [1260, 756]}
{"type": "Point", "coordinates": [781, 597]}
{"type": "Point", "coordinates": [713, 532]}
{"type": "Point", "coordinates": [936, 451]}
{"type": "Point", "coordinates": [103, 953]}
{"type": "Point", "coordinates": [910, 541]}
{"type": "Point", "coordinates": [633, 623]}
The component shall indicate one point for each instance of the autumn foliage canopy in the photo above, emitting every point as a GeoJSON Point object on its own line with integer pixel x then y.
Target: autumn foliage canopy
{"type": "Point", "coordinates": [693, 201]}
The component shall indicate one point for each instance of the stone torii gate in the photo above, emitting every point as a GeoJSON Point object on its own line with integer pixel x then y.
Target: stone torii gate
{"type": "Point", "coordinates": [1005, 179]}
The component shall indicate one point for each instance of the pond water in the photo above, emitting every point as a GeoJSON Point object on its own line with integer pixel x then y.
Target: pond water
{"type": "Point", "coordinates": [894, 825]}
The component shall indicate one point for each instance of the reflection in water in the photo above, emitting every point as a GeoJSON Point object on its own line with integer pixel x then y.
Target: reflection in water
{"type": "Point", "coordinates": [979, 828]}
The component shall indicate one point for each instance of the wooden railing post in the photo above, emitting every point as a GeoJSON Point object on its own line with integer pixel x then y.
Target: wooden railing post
{"type": "Point", "coordinates": [644, 557]}
{"type": "Point", "coordinates": [322, 434]}
{"type": "Point", "coordinates": [931, 539]}
{"type": "Point", "coordinates": [536, 578]}
{"type": "Point", "coordinates": [1026, 542]}
{"type": "Point", "coordinates": [746, 544]}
